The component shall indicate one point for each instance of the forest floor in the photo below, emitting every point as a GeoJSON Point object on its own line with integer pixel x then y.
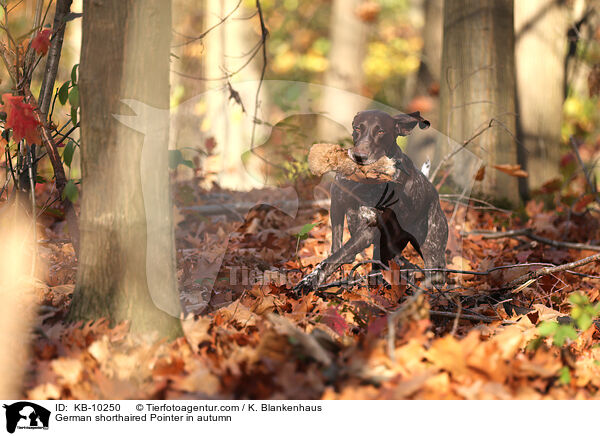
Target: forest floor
{"type": "Point", "coordinates": [475, 339]}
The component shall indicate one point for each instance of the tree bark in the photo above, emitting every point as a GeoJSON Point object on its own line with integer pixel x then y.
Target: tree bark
{"type": "Point", "coordinates": [125, 55]}
{"type": "Point", "coordinates": [346, 57]}
{"type": "Point", "coordinates": [477, 85]}
{"type": "Point", "coordinates": [431, 59]}
{"type": "Point", "coordinates": [540, 48]}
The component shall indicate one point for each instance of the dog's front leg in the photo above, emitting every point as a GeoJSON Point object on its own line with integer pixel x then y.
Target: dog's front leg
{"type": "Point", "coordinates": [337, 213]}
{"type": "Point", "coordinates": [367, 234]}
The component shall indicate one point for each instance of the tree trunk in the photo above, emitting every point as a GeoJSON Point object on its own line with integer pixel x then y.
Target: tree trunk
{"type": "Point", "coordinates": [347, 54]}
{"type": "Point", "coordinates": [423, 95]}
{"type": "Point", "coordinates": [540, 46]}
{"type": "Point", "coordinates": [125, 55]}
{"type": "Point", "coordinates": [223, 119]}
{"type": "Point", "coordinates": [478, 85]}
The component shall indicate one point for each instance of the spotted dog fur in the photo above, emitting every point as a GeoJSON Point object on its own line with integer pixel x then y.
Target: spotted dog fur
{"type": "Point", "coordinates": [388, 215]}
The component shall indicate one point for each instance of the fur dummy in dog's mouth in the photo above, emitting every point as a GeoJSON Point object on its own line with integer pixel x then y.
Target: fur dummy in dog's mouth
{"type": "Point", "coordinates": [324, 158]}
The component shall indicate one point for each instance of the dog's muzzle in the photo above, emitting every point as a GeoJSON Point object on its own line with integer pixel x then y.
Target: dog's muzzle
{"type": "Point", "coordinates": [360, 159]}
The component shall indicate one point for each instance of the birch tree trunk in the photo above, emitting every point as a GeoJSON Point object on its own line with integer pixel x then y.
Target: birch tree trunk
{"type": "Point", "coordinates": [540, 37]}
{"type": "Point", "coordinates": [125, 55]}
{"type": "Point", "coordinates": [478, 85]}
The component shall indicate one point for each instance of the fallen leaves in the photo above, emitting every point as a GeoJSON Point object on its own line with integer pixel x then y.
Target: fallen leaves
{"type": "Point", "coordinates": [254, 339]}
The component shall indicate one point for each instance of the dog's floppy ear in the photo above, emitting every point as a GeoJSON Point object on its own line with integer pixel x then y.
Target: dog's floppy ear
{"type": "Point", "coordinates": [405, 123]}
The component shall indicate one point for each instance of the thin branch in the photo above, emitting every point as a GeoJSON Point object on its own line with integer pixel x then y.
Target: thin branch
{"type": "Point", "coordinates": [532, 276]}
{"type": "Point", "coordinates": [63, 7]}
{"type": "Point", "coordinates": [207, 31]}
{"type": "Point", "coordinates": [455, 316]}
{"type": "Point", "coordinates": [455, 152]}
{"type": "Point", "coordinates": [226, 76]}
{"type": "Point", "coordinates": [586, 173]}
{"type": "Point", "coordinates": [59, 171]}
{"type": "Point", "coordinates": [528, 233]}
{"type": "Point", "coordinates": [264, 33]}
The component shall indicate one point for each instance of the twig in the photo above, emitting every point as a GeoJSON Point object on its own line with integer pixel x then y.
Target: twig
{"type": "Point", "coordinates": [458, 303]}
{"type": "Point", "coordinates": [237, 208]}
{"type": "Point", "coordinates": [210, 29]}
{"type": "Point", "coordinates": [534, 275]}
{"type": "Point", "coordinates": [33, 214]}
{"type": "Point", "coordinates": [455, 316]}
{"type": "Point", "coordinates": [592, 186]}
{"type": "Point", "coordinates": [59, 171]}
{"type": "Point", "coordinates": [529, 234]}
{"type": "Point", "coordinates": [396, 316]}
{"type": "Point", "coordinates": [464, 144]}
{"type": "Point", "coordinates": [264, 33]}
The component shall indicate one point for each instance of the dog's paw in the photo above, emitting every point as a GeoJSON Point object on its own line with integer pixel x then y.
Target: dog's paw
{"type": "Point", "coordinates": [309, 283]}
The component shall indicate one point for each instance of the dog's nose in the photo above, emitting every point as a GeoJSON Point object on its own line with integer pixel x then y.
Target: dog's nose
{"type": "Point", "coordinates": [359, 157]}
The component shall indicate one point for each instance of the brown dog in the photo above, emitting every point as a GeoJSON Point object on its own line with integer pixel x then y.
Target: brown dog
{"type": "Point", "coordinates": [388, 215]}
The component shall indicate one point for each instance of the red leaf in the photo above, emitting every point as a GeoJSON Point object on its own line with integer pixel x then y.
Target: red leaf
{"type": "Point", "coordinates": [20, 118]}
{"type": "Point", "coordinates": [41, 42]}
{"type": "Point", "coordinates": [335, 321]}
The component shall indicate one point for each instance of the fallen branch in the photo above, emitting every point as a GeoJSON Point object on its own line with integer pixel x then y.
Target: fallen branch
{"type": "Point", "coordinates": [453, 315]}
{"type": "Point", "coordinates": [239, 208]}
{"type": "Point", "coordinates": [528, 233]}
{"type": "Point", "coordinates": [534, 275]}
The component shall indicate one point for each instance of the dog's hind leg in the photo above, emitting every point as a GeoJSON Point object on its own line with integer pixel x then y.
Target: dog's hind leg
{"type": "Point", "coordinates": [434, 246]}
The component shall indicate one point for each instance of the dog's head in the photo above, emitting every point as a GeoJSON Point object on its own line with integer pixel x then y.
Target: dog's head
{"type": "Point", "coordinates": [374, 133]}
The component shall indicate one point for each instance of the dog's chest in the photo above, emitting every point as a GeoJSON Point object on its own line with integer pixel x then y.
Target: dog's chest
{"type": "Point", "coordinates": [361, 194]}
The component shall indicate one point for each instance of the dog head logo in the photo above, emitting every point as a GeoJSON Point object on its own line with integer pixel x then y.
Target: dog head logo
{"type": "Point", "coordinates": [26, 415]}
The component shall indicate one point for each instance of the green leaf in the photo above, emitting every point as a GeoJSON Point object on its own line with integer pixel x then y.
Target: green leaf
{"type": "Point", "coordinates": [564, 375]}
{"type": "Point", "coordinates": [306, 228]}
{"type": "Point", "coordinates": [74, 115]}
{"type": "Point", "coordinates": [71, 192]}
{"type": "Point", "coordinates": [547, 328]}
{"type": "Point", "coordinates": [68, 153]}
{"type": "Point", "coordinates": [176, 158]}
{"type": "Point", "coordinates": [40, 179]}
{"type": "Point", "coordinates": [562, 333]}
{"type": "Point", "coordinates": [74, 97]}
{"type": "Point", "coordinates": [74, 74]}
{"type": "Point", "coordinates": [584, 321]}
{"type": "Point", "coordinates": [63, 93]}
{"type": "Point", "coordinates": [579, 299]}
